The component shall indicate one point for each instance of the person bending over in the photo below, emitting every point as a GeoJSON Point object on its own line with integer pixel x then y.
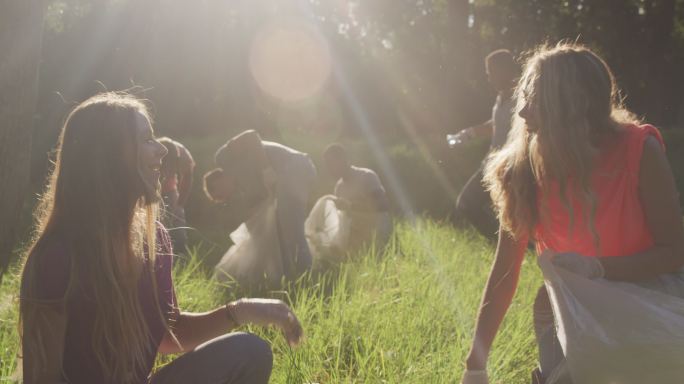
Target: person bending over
{"type": "Point", "coordinates": [252, 171]}
{"type": "Point", "coordinates": [361, 195]}
{"type": "Point", "coordinates": [592, 186]}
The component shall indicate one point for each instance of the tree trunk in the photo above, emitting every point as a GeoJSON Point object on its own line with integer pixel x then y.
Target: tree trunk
{"type": "Point", "coordinates": [660, 93]}
{"type": "Point", "coordinates": [21, 27]}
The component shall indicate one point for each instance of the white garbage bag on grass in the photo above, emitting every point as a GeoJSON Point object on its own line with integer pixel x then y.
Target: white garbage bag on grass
{"type": "Point", "coordinates": [617, 332]}
{"type": "Point", "coordinates": [327, 230]}
{"type": "Point", "coordinates": [255, 255]}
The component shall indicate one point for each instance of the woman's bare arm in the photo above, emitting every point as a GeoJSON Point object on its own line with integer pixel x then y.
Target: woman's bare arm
{"type": "Point", "coordinates": [660, 202]}
{"type": "Point", "coordinates": [498, 294]}
{"type": "Point", "coordinates": [193, 329]}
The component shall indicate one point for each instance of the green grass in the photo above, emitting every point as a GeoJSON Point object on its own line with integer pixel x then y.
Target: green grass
{"type": "Point", "coordinates": [405, 316]}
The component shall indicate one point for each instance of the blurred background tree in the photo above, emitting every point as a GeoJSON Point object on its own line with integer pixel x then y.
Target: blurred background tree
{"type": "Point", "coordinates": [404, 63]}
{"type": "Point", "coordinates": [20, 43]}
{"type": "Point", "coordinates": [403, 72]}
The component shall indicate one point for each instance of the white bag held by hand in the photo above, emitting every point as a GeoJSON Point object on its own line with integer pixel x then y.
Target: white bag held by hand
{"type": "Point", "coordinates": [255, 255]}
{"type": "Point", "coordinates": [616, 332]}
{"type": "Point", "coordinates": [327, 230]}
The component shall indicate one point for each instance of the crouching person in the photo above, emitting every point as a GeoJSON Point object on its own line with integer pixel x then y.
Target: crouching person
{"type": "Point", "coordinates": [273, 183]}
{"type": "Point", "coordinates": [360, 194]}
{"type": "Point", "coordinates": [592, 186]}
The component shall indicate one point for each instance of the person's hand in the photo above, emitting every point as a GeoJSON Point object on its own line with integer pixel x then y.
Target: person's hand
{"type": "Point", "coordinates": [546, 254]}
{"type": "Point", "coordinates": [342, 204]}
{"type": "Point", "coordinates": [475, 377]}
{"type": "Point", "coordinates": [266, 312]}
{"type": "Point", "coordinates": [589, 267]}
{"type": "Point", "coordinates": [463, 136]}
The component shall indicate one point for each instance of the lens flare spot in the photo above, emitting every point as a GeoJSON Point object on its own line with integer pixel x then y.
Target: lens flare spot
{"type": "Point", "coordinates": [289, 61]}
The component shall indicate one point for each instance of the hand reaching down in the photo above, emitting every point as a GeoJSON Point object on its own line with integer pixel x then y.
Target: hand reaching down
{"type": "Point", "coordinates": [266, 312]}
{"type": "Point", "coordinates": [589, 267]}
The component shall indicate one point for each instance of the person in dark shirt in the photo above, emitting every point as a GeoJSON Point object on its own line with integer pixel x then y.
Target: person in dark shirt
{"type": "Point", "coordinates": [97, 302]}
{"type": "Point", "coordinates": [176, 182]}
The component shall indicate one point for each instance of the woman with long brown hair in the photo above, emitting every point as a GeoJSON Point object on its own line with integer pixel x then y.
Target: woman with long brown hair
{"type": "Point", "coordinates": [97, 301]}
{"type": "Point", "coordinates": [591, 186]}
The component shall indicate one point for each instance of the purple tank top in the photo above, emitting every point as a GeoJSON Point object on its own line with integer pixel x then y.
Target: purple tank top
{"type": "Point", "coordinates": [80, 364]}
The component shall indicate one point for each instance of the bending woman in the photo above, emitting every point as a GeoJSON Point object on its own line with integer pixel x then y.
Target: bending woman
{"type": "Point", "coordinates": [587, 183]}
{"type": "Point", "coordinates": [97, 302]}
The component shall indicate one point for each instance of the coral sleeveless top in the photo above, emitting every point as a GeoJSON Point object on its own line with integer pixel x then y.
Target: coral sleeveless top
{"type": "Point", "coordinates": [619, 220]}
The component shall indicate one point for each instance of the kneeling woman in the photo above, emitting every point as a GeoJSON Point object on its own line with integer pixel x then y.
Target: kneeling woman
{"type": "Point", "coordinates": [588, 184]}
{"type": "Point", "coordinates": [97, 301]}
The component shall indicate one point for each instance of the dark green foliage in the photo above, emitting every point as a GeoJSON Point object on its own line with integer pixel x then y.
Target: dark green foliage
{"type": "Point", "coordinates": [406, 73]}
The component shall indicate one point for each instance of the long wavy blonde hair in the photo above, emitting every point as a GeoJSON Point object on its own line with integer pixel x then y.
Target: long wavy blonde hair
{"type": "Point", "coordinates": [96, 204]}
{"type": "Point", "coordinates": [578, 105]}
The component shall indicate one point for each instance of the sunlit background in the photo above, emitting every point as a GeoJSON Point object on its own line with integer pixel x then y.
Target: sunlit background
{"type": "Point", "coordinates": [389, 78]}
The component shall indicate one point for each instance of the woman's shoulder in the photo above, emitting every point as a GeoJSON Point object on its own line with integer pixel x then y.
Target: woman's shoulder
{"type": "Point", "coordinates": [48, 268]}
{"type": "Point", "coordinates": [164, 254]}
{"type": "Point", "coordinates": [642, 139]}
{"type": "Point", "coordinates": [625, 148]}
{"type": "Point", "coordinates": [635, 134]}
{"type": "Point", "coordinates": [164, 243]}
{"type": "Point", "coordinates": [50, 252]}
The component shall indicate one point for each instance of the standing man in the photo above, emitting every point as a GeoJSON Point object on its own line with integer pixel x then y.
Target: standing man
{"type": "Point", "coordinates": [473, 205]}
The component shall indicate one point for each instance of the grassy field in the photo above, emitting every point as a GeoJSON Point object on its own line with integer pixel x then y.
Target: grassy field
{"type": "Point", "coordinates": [404, 316]}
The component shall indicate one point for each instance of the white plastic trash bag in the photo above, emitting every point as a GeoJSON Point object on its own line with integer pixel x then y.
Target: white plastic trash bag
{"type": "Point", "coordinates": [617, 332]}
{"type": "Point", "coordinates": [327, 230]}
{"type": "Point", "coordinates": [255, 255]}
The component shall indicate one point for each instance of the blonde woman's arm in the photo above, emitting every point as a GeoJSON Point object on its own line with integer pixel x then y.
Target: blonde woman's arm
{"type": "Point", "coordinates": [498, 294]}
{"type": "Point", "coordinates": [43, 351]}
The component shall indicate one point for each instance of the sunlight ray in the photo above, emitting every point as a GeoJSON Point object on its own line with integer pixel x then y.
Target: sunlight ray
{"type": "Point", "coordinates": [390, 173]}
{"type": "Point", "coordinates": [95, 48]}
